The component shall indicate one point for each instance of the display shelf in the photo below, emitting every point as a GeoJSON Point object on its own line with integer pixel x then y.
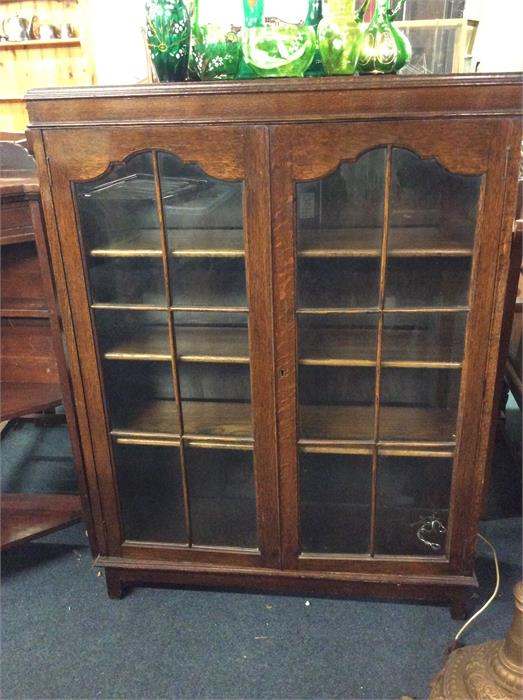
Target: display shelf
{"type": "Point", "coordinates": [40, 43]}
{"type": "Point", "coordinates": [427, 241]}
{"type": "Point", "coordinates": [193, 344]}
{"type": "Point", "coordinates": [397, 424]}
{"type": "Point", "coordinates": [23, 308]}
{"type": "Point", "coordinates": [202, 419]}
{"type": "Point", "coordinates": [357, 347]}
{"type": "Point", "coordinates": [189, 243]}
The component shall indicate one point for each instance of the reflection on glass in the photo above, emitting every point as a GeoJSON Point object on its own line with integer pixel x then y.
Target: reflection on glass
{"type": "Point", "coordinates": [336, 402]}
{"type": "Point", "coordinates": [150, 493]}
{"type": "Point", "coordinates": [342, 213]}
{"type": "Point", "coordinates": [427, 282]}
{"type": "Point", "coordinates": [430, 206]}
{"type": "Point", "coordinates": [133, 335]}
{"type": "Point", "coordinates": [222, 497]}
{"type": "Point", "coordinates": [203, 216]}
{"type": "Point", "coordinates": [341, 283]}
{"type": "Point", "coordinates": [419, 404]}
{"type": "Point", "coordinates": [335, 495]}
{"type": "Point", "coordinates": [211, 337]}
{"type": "Point", "coordinates": [215, 399]}
{"type": "Point", "coordinates": [140, 397]}
{"type": "Point", "coordinates": [127, 281]}
{"type": "Point", "coordinates": [413, 500]}
{"type": "Point", "coordinates": [118, 210]}
{"type": "Point", "coordinates": [337, 339]}
{"type": "Point", "coordinates": [208, 282]}
{"type": "Point", "coordinates": [429, 338]}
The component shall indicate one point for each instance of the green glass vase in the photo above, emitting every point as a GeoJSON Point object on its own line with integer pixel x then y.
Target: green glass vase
{"type": "Point", "coordinates": [216, 48]}
{"type": "Point", "coordinates": [168, 38]}
{"type": "Point", "coordinates": [340, 36]}
{"type": "Point", "coordinates": [384, 48]}
{"type": "Point", "coordinates": [275, 48]}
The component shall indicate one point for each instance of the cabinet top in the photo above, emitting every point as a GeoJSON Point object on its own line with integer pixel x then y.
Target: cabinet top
{"type": "Point", "coordinates": [272, 101]}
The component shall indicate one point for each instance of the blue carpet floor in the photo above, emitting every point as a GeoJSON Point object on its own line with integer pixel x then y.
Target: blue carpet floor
{"type": "Point", "coordinates": [63, 638]}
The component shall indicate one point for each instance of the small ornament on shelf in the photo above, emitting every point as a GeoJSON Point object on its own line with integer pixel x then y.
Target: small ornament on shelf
{"type": "Point", "coordinates": [216, 48]}
{"type": "Point", "coordinates": [168, 38]}
{"type": "Point", "coordinates": [340, 36]}
{"type": "Point", "coordinates": [280, 40]}
{"type": "Point", "coordinates": [384, 48]}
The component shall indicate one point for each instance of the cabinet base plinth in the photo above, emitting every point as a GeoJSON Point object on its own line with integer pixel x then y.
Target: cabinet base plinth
{"type": "Point", "coordinates": [451, 590]}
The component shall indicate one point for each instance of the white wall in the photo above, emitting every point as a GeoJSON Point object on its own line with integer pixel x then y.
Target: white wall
{"type": "Point", "coordinates": [116, 40]}
{"type": "Point", "coordinates": [499, 42]}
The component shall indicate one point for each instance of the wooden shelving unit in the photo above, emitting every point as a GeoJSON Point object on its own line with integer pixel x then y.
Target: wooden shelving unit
{"type": "Point", "coordinates": [42, 63]}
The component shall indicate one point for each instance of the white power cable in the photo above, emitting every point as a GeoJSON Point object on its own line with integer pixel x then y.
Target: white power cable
{"type": "Point", "coordinates": [492, 597]}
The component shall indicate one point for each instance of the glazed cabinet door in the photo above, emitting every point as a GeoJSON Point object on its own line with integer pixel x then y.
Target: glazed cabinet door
{"type": "Point", "coordinates": [386, 239]}
{"type": "Point", "coordinates": [164, 235]}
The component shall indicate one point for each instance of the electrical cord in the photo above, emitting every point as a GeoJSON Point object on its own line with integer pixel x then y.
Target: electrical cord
{"type": "Point", "coordinates": [492, 597]}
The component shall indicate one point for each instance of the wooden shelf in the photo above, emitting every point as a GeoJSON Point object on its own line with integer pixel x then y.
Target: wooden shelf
{"type": "Point", "coordinates": [193, 344]}
{"type": "Point", "coordinates": [428, 241]}
{"type": "Point", "coordinates": [232, 421]}
{"type": "Point", "coordinates": [202, 419]}
{"type": "Point", "coordinates": [336, 347]}
{"type": "Point", "coordinates": [22, 398]}
{"type": "Point", "coordinates": [26, 516]}
{"type": "Point", "coordinates": [345, 347]}
{"type": "Point", "coordinates": [397, 424]}
{"type": "Point", "coordinates": [38, 43]}
{"type": "Point", "coordinates": [23, 308]}
{"type": "Point", "coordinates": [188, 243]}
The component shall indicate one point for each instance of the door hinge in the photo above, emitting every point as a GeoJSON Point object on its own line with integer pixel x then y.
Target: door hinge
{"type": "Point", "coordinates": [507, 156]}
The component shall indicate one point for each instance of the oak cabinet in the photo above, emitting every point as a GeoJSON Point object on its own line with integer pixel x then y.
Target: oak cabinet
{"type": "Point", "coordinates": [283, 302]}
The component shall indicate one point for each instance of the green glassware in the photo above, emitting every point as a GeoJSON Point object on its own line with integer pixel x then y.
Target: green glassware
{"type": "Point", "coordinates": [340, 36]}
{"type": "Point", "coordinates": [384, 48]}
{"type": "Point", "coordinates": [216, 47]}
{"type": "Point", "coordinates": [168, 38]}
{"type": "Point", "coordinates": [274, 48]}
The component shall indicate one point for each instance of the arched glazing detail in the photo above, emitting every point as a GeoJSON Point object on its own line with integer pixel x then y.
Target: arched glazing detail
{"type": "Point", "coordinates": [384, 250]}
{"type": "Point", "coordinates": [163, 247]}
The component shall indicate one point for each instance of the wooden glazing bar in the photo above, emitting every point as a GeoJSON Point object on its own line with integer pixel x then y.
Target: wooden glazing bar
{"type": "Point", "coordinates": [421, 364]}
{"type": "Point", "coordinates": [129, 307]}
{"type": "Point", "coordinates": [147, 442]}
{"type": "Point", "coordinates": [172, 344]}
{"type": "Point", "coordinates": [414, 453]}
{"type": "Point", "coordinates": [376, 310]}
{"type": "Point", "coordinates": [337, 312]}
{"type": "Point", "coordinates": [217, 445]}
{"type": "Point", "coordinates": [426, 310]}
{"type": "Point", "coordinates": [213, 309]}
{"type": "Point", "coordinates": [335, 449]}
{"type": "Point", "coordinates": [379, 349]}
{"type": "Point", "coordinates": [368, 445]}
{"type": "Point", "coordinates": [121, 253]}
{"type": "Point", "coordinates": [330, 362]}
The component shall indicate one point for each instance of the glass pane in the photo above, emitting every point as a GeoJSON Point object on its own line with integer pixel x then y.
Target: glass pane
{"type": "Point", "coordinates": [140, 397]}
{"type": "Point", "coordinates": [118, 210]}
{"type": "Point", "coordinates": [342, 213]}
{"type": "Point", "coordinates": [413, 495]}
{"type": "Point", "coordinates": [335, 495]}
{"type": "Point", "coordinates": [431, 208]}
{"type": "Point", "coordinates": [222, 497]}
{"type": "Point", "coordinates": [338, 339]}
{"type": "Point", "coordinates": [216, 399]}
{"type": "Point", "coordinates": [419, 404]}
{"type": "Point", "coordinates": [127, 281]}
{"type": "Point", "coordinates": [338, 283]}
{"type": "Point", "coordinates": [427, 282]}
{"type": "Point", "coordinates": [336, 402]}
{"type": "Point", "coordinates": [133, 335]}
{"type": "Point", "coordinates": [150, 493]}
{"type": "Point", "coordinates": [204, 216]}
{"type": "Point", "coordinates": [434, 337]}
{"type": "Point", "coordinates": [212, 337]}
{"type": "Point", "coordinates": [208, 282]}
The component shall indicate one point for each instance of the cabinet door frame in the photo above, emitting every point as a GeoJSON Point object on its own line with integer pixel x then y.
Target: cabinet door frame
{"type": "Point", "coordinates": [485, 147]}
{"type": "Point", "coordinates": [229, 153]}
